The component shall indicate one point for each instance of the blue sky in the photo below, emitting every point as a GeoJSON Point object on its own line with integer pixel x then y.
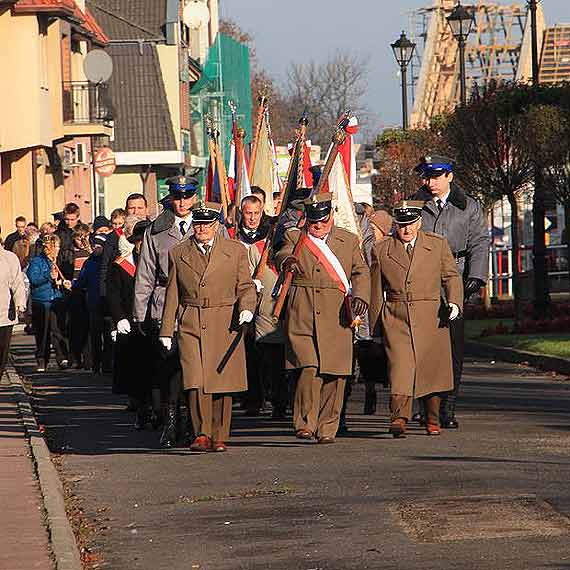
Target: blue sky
{"type": "Point", "coordinates": [300, 30]}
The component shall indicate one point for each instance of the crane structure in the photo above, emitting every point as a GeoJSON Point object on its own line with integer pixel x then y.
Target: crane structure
{"type": "Point", "coordinates": [498, 48]}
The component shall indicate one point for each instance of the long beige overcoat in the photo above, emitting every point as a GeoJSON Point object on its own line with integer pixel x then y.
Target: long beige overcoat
{"type": "Point", "coordinates": [316, 321]}
{"type": "Point", "coordinates": [205, 298]}
{"type": "Point", "coordinates": [405, 310]}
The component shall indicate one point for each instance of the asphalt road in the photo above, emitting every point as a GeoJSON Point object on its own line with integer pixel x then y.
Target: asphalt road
{"type": "Point", "coordinates": [493, 495]}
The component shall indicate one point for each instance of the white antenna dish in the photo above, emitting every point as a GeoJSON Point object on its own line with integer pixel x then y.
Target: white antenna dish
{"type": "Point", "coordinates": [98, 66]}
{"type": "Point", "coordinates": [196, 14]}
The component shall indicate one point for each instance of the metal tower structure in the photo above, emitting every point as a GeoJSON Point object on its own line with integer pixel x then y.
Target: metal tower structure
{"type": "Point", "coordinates": [498, 48]}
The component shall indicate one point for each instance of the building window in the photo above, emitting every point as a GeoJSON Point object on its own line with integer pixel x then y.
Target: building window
{"type": "Point", "coordinates": [43, 47]}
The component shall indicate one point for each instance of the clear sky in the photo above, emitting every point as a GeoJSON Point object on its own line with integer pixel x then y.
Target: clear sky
{"type": "Point", "coordinates": [301, 30]}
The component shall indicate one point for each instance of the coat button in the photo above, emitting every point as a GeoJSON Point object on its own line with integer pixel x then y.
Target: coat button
{"type": "Point", "coordinates": [318, 270]}
{"type": "Point", "coordinates": [204, 327]}
{"type": "Point", "coordinates": [203, 284]}
{"type": "Point", "coordinates": [317, 290]}
{"type": "Point", "coordinates": [318, 312]}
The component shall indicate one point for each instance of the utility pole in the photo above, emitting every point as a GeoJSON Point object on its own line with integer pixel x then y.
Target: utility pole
{"type": "Point", "coordinates": [541, 279]}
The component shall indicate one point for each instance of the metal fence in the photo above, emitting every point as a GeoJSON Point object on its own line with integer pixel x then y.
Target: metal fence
{"type": "Point", "coordinates": [501, 270]}
{"type": "Point", "coordinates": [86, 103]}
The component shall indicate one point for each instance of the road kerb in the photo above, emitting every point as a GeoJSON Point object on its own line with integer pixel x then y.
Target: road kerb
{"type": "Point", "coordinates": [62, 539]}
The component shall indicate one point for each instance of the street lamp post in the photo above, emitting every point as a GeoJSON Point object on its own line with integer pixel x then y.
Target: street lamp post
{"type": "Point", "coordinates": [403, 50]}
{"type": "Point", "coordinates": [461, 21]}
{"type": "Point", "coordinates": [541, 281]}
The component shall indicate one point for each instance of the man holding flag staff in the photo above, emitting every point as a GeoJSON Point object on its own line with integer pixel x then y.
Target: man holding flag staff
{"type": "Point", "coordinates": [330, 288]}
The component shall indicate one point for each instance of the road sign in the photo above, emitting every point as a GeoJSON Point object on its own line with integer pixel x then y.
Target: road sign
{"type": "Point", "coordinates": [104, 161]}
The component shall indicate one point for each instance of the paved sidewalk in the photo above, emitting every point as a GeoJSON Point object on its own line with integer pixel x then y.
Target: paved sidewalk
{"type": "Point", "coordinates": [23, 539]}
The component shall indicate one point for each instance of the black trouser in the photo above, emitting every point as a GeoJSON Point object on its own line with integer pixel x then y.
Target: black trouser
{"type": "Point", "coordinates": [5, 336]}
{"type": "Point", "coordinates": [273, 380]}
{"type": "Point", "coordinates": [48, 321]}
{"type": "Point", "coordinates": [255, 395]}
{"type": "Point", "coordinates": [457, 336]}
{"type": "Point", "coordinates": [165, 366]}
{"type": "Point", "coordinates": [79, 329]}
{"type": "Point", "coordinates": [100, 340]}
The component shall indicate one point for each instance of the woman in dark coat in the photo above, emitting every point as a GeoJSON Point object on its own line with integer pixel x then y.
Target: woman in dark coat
{"type": "Point", "coordinates": [128, 373]}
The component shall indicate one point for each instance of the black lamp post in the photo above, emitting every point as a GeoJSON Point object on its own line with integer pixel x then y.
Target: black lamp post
{"type": "Point", "coordinates": [403, 50]}
{"type": "Point", "coordinates": [461, 21]}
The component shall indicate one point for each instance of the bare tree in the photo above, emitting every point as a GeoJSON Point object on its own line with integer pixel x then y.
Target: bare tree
{"type": "Point", "coordinates": [325, 90]}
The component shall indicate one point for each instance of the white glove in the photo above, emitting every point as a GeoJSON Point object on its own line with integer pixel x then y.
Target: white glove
{"type": "Point", "coordinates": [166, 341]}
{"type": "Point", "coordinates": [258, 285]}
{"type": "Point", "coordinates": [123, 326]}
{"type": "Point", "coordinates": [114, 336]}
{"type": "Point", "coordinates": [245, 317]}
{"type": "Point", "coordinates": [454, 311]}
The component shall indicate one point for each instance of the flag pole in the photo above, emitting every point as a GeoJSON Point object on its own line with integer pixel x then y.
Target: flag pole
{"type": "Point", "coordinates": [338, 138]}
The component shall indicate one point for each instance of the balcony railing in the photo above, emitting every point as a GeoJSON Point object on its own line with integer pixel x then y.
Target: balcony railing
{"type": "Point", "coordinates": [86, 103]}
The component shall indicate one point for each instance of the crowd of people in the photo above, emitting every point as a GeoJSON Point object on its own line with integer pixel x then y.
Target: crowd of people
{"type": "Point", "coordinates": [181, 310]}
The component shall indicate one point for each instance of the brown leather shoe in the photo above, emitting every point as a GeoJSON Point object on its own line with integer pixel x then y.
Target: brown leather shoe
{"type": "Point", "coordinates": [398, 428]}
{"type": "Point", "coordinates": [433, 429]}
{"type": "Point", "coordinates": [201, 443]}
{"type": "Point", "coordinates": [303, 434]}
{"type": "Point", "coordinates": [219, 446]}
{"type": "Point", "coordinates": [326, 439]}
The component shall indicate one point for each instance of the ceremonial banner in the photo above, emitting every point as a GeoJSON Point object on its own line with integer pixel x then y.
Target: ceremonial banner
{"type": "Point", "coordinates": [342, 179]}
{"type": "Point", "coordinates": [263, 174]}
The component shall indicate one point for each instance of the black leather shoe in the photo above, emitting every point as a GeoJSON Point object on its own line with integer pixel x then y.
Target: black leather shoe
{"type": "Point", "coordinates": [168, 438]}
{"type": "Point", "coordinates": [450, 423]}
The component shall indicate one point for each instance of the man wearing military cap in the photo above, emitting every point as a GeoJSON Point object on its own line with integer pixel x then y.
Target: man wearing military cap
{"type": "Point", "coordinates": [171, 227]}
{"type": "Point", "coordinates": [209, 297]}
{"type": "Point", "coordinates": [408, 271]}
{"type": "Point", "coordinates": [330, 288]}
{"type": "Point", "coordinates": [453, 214]}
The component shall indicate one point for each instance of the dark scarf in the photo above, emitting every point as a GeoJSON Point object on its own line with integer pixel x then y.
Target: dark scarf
{"type": "Point", "coordinates": [249, 237]}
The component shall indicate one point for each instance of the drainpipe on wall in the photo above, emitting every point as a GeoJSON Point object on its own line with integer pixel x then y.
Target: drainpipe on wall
{"type": "Point", "coordinates": [35, 208]}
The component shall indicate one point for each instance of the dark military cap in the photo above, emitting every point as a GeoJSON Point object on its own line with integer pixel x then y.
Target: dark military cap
{"type": "Point", "coordinates": [206, 212]}
{"type": "Point", "coordinates": [138, 230]}
{"type": "Point", "coordinates": [318, 207]}
{"type": "Point", "coordinates": [434, 165]}
{"type": "Point", "coordinates": [182, 186]}
{"type": "Point", "coordinates": [407, 211]}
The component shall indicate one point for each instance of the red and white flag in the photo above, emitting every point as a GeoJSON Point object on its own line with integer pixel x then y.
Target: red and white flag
{"type": "Point", "coordinates": [342, 179]}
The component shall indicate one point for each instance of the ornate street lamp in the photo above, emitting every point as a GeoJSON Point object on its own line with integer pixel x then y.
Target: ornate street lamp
{"type": "Point", "coordinates": [403, 50]}
{"type": "Point", "coordinates": [461, 22]}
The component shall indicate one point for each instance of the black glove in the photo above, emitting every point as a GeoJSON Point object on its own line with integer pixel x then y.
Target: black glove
{"type": "Point", "coordinates": [359, 307]}
{"type": "Point", "coordinates": [472, 286]}
{"type": "Point", "coordinates": [291, 264]}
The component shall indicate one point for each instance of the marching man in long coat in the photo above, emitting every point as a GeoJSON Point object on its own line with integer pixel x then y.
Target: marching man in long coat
{"type": "Point", "coordinates": [209, 296]}
{"type": "Point", "coordinates": [408, 271]}
{"type": "Point", "coordinates": [330, 287]}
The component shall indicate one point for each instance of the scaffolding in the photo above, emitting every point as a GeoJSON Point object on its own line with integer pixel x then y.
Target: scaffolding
{"type": "Point", "coordinates": [555, 60]}
{"type": "Point", "coordinates": [498, 48]}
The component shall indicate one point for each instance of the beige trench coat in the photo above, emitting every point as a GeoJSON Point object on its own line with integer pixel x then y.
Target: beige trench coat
{"type": "Point", "coordinates": [205, 298]}
{"type": "Point", "coordinates": [405, 311]}
{"type": "Point", "coordinates": [316, 320]}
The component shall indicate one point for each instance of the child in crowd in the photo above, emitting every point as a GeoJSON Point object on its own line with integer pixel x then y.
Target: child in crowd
{"type": "Point", "coordinates": [118, 217]}
{"type": "Point", "coordinates": [88, 282]}
{"type": "Point", "coordinates": [78, 314]}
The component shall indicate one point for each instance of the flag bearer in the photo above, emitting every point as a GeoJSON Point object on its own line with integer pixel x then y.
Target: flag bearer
{"type": "Point", "coordinates": [330, 287]}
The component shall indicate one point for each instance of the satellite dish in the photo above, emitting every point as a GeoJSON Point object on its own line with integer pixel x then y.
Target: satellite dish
{"type": "Point", "coordinates": [98, 66]}
{"type": "Point", "coordinates": [196, 14]}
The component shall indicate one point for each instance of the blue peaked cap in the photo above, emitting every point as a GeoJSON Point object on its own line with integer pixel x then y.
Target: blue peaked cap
{"type": "Point", "coordinates": [434, 163]}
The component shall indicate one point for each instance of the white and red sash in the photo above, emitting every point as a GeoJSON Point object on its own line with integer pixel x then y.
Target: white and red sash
{"type": "Point", "coordinates": [324, 254]}
{"type": "Point", "coordinates": [125, 264]}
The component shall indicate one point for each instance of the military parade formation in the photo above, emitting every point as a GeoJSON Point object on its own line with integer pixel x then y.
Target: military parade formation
{"type": "Point", "coordinates": [200, 325]}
